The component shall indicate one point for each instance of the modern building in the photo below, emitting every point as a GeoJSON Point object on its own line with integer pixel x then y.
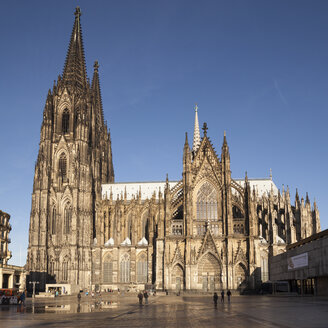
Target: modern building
{"type": "Point", "coordinates": [5, 228]}
{"type": "Point", "coordinates": [11, 276]}
{"type": "Point", "coordinates": [304, 265]}
{"type": "Point", "coordinates": [205, 231]}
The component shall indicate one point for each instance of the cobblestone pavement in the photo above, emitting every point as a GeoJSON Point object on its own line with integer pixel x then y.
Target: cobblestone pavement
{"type": "Point", "coordinates": [168, 311]}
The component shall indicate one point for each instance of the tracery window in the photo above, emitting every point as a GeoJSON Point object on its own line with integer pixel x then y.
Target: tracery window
{"type": "Point", "coordinates": [65, 270]}
{"type": "Point", "coordinates": [107, 270]}
{"type": "Point", "coordinates": [125, 268]}
{"type": "Point", "coordinates": [142, 268]}
{"type": "Point", "coordinates": [63, 166]}
{"type": "Point", "coordinates": [237, 213]}
{"type": "Point", "coordinates": [67, 219]}
{"type": "Point", "coordinates": [52, 268]}
{"type": "Point", "coordinates": [177, 229]}
{"type": "Point", "coordinates": [145, 227]}
{"type": "Point", "coordinates": [238, 228]}
{"type": "Point", "coordinates": [207, 206]}
{"type": "Point", "coordinates": [129, 227]}
{"type": "Point", "coordinates": [65, 121]}
{"type": "Point", "coordinates": [53, 221]}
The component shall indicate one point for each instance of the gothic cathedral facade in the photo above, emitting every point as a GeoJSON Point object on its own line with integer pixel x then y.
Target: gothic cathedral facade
{"type": "Point", "coordinates": [204, 232]}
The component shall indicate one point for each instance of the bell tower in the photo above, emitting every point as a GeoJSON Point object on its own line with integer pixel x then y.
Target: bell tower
{"type": "Point", "coordinates": [74, 159]}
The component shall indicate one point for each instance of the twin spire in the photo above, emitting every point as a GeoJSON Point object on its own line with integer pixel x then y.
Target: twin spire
{"type": "Point", "coordinates": [75, 69]}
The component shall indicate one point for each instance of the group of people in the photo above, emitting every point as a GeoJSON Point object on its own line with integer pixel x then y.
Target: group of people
{"type": "Point", "coordinates": [143, 295]}
{"type": "Point", "coordinates": [216, 297]}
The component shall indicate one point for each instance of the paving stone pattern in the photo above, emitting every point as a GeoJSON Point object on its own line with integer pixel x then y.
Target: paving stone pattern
{"type": "Point", "coordinates": [169, 311]}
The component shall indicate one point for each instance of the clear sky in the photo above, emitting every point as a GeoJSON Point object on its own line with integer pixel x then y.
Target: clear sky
{"type": "Point", "coordinates": [257, 69]}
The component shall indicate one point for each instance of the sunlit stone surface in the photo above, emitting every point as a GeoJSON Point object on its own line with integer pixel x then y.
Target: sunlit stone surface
{"type": "Point", "coordinates": [168, 311]}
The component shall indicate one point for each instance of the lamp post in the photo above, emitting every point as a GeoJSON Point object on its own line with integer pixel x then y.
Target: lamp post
{"type": "Point", "coordinates": [34, 282]}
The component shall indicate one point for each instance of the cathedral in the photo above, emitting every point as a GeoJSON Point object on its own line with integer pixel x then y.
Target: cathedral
{"type": "Point", "coordinates": [202, 233]}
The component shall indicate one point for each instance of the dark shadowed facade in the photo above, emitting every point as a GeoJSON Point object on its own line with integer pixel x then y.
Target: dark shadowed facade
{"type": "Point", "coordinates": [205, 232]}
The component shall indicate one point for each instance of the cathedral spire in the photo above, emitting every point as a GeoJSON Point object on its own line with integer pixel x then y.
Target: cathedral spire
{"type": "Point", "coordinates": [75, 71]}
{"type": "Point", "coordinates": [196, 142]}
{"type": "Point", "coordinates": [225, 147]}
{"type": "Point", "coordinates": [96, 89]}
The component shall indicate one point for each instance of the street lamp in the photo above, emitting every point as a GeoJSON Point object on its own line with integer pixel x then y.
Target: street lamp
{"type": "Point", "coordinates": [34, 282]}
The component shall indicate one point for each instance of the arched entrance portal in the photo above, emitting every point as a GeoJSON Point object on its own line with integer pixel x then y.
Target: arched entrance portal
{"type": "Point", "coordinates": [240, 276]}
{"type": "Point", "coordinates": [177, 277]}
{"type": "Point", "coordinates": [209, 273]}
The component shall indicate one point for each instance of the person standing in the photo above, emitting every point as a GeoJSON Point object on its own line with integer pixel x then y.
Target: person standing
{"type": "Point", "coordinates": [146, 297]}
{"type": "Point", "coordinates": [222, 296]}
{"type": "Point", "coordinates": [140, 296]}
{"type": "Point", "coordinates": [228, 294]}
{"type": "Point", "coordinates": [215, 299]}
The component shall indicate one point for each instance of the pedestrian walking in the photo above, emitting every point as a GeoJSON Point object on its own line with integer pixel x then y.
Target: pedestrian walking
{"type": "Point", "coordinates": [228, 294]}
{"type": "Point", "coordinates": [22, 298]}
{"type": "Point", "coordinates": [140, 296]}
{"type": "Point", "coordinates": [79, 296]}
{"type": "Point", "coordinates": [215, 299]}
{"type": "Point", "coordinates": [145, 295]}
{"type": "Point", "coordinates": [222, 296]}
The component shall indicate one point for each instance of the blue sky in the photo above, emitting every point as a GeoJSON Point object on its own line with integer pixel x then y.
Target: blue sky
{"type": "Point", "coordinates": [257, 69]}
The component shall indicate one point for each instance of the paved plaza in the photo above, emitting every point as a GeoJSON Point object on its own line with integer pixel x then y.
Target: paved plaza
{"type": "Point", "coordinates": [168, 311]}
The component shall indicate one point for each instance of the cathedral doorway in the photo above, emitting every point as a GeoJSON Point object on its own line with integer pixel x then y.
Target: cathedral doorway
{"type": "Point", "coordinates": [205, 283]}
{"type": "Point", "coordinates": [177, 277]}
{"type": "Point", "coordinates": [209, 273]}
{"type": "Point", "coordinates": [240, 277]}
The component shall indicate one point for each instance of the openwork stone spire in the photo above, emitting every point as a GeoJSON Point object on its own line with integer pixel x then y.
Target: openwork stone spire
{"type": "Point", "coordinates": [196, 142]}
{"type": "Point", "coordinates": [97, 93]}
{"type": "Point", "coordinates": [75, 71]}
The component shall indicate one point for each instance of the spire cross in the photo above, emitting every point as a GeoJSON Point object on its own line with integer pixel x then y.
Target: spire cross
{"type": "Point", "coordinates": [205, 128]}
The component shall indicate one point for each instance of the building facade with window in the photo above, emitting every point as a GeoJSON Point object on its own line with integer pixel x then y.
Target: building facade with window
{"type": "Point", "coordinates": [204, 232]}
{"type": "Point", "coordinates": [11, 276]}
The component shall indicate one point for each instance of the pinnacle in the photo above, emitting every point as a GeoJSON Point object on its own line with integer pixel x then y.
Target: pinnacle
{"type": "Point", "coordinates": [96, 66]}
{"type": "Point", "coordinates": [186, 140]}
{"type": "Point", "coordinates": [96, 89]}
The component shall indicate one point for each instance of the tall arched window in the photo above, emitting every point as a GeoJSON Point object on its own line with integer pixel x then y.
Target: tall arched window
{"type": "Point", "coordinates": [53, 221]}
{"type": "Point", "coordinates": [142, 268]}
{"type": "Point", "coordinates": [65, 121]}
{"type": "Point", "coordinates": [129, 228]}
{"type": "Point", "coordinates": [65, 270]}
{"type": "Point", "coordinates": [63, 166]}
{"type": "Point", "coordinates": [125, 268]}
{"type": "Point", "coordinates": [67, 219]}
{"type": "Point", "coordinates": [52, 268]}
{"type": "Point", "coordinates": [108, 270]}
{"type": "Point", "coordinates": [207, 205]}
{"type": "Point", "coordinates": [145, 227]}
